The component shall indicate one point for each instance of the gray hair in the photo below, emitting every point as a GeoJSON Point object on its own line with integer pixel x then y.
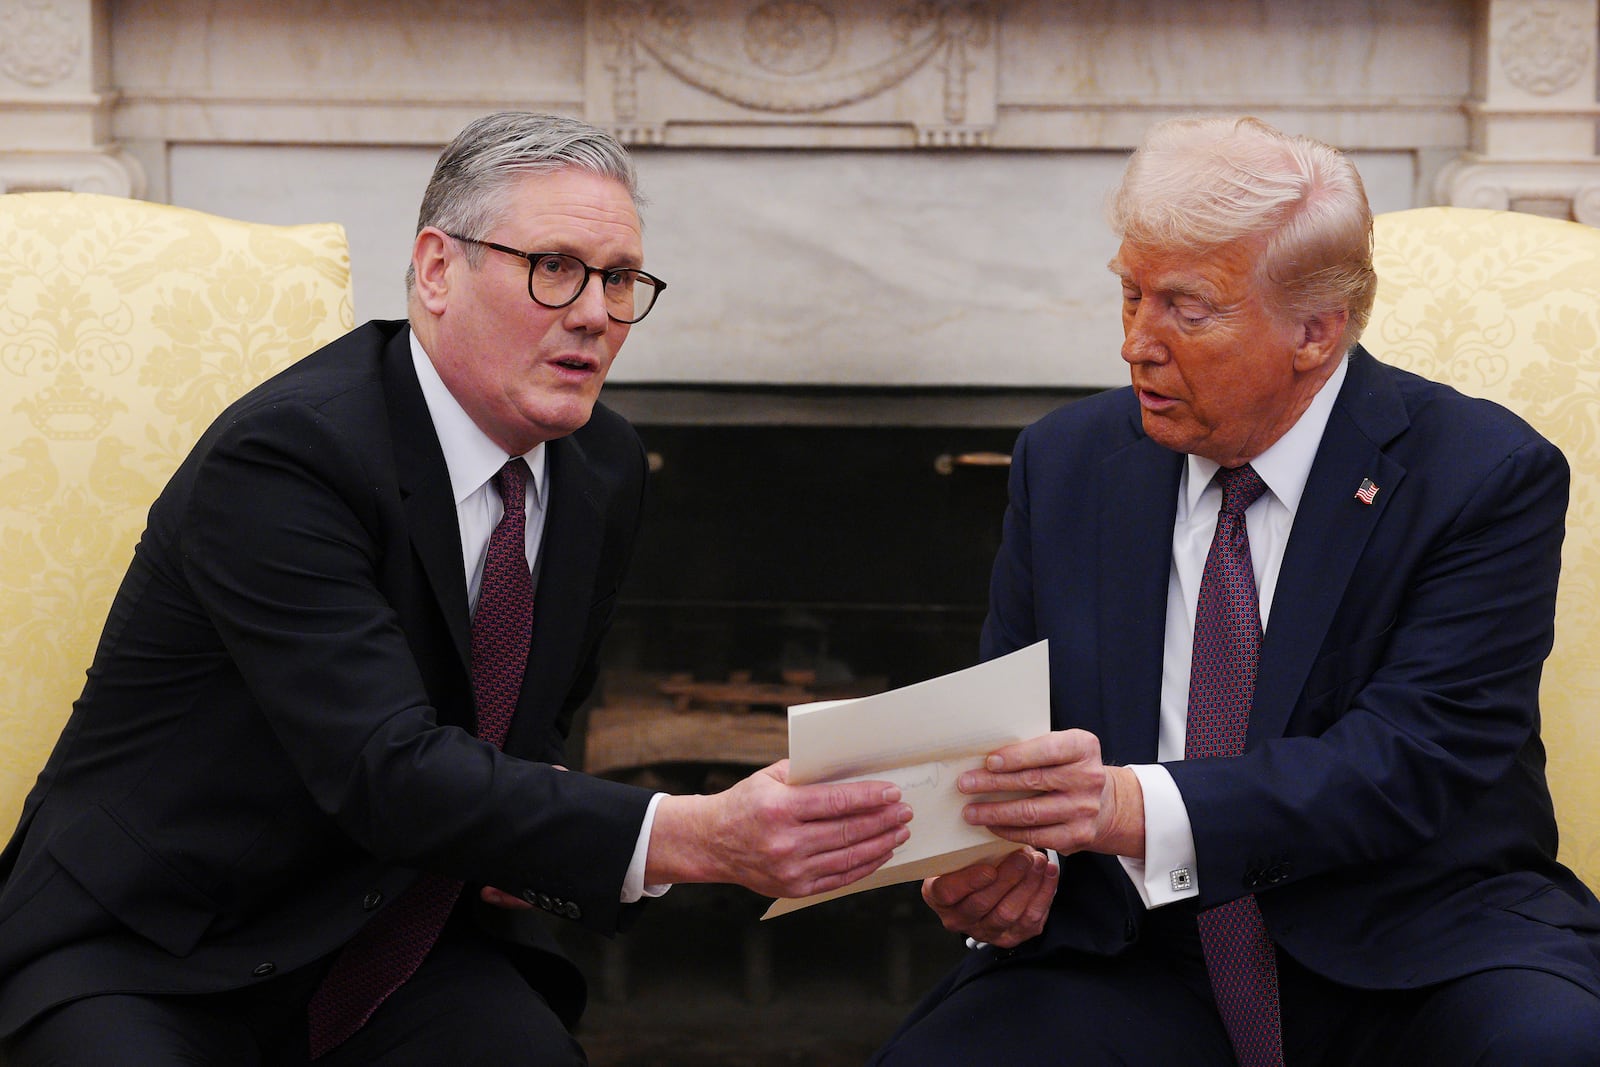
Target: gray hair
{"type": "Point", "coordinates": [467, 193]}
{"type": "Point", "coordinates": [1197, 184]}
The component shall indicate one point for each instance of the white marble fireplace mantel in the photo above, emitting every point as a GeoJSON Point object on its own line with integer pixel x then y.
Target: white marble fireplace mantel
{"type": "Point", "coordinates": [869, 193]}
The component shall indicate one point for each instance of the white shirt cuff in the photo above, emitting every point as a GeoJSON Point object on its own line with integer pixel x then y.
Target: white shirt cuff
{"type": "Point", "coordinates": [633, 887]}
{"type": "Point", "coordinates": [1167, 872]}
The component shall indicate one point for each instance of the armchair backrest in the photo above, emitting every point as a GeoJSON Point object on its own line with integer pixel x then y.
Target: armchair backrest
{"type": "Point", "coordinates": [125, 327]}
{"type": "Point", "coordinates": [1507, 306]}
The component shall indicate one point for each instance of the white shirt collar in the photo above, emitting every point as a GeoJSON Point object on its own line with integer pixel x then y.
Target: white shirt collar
{"type": "Point", "coordinates": [1286, 464]}
{"type": "Point", "coordinates": [471, 457]}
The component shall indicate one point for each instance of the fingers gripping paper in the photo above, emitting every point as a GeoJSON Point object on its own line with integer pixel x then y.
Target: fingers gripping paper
{"type": "Point", "coordinates": [921, 738]}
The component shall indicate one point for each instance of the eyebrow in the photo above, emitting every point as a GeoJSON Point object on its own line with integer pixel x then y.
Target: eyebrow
{"type": "Point", "coordinates": [568, 248]}
{"type": "Point", "coordinates": [1196, 290]}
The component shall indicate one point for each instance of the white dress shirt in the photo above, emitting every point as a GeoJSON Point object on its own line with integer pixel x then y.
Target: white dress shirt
{"type": "Point", "coordinates": [473, 460]}
{"type": "Point", "coordinates": [1168, 871]}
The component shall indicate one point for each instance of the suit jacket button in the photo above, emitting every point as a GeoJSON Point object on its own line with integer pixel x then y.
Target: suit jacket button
{"type": "Point", "coordinates": [264, 969]}
{"type": "Point", "coordinates": [371, 900]}
{"type": "Point", "coordinates": [544, 901]}
{"type": "Point", "coordinates": [571, 910]}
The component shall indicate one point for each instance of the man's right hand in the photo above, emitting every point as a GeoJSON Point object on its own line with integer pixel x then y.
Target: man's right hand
{"type": "Point", "coordinates": [1004, 904]}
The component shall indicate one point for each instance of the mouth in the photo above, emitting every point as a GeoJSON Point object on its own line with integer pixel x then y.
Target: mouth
{"type": "Point", "coordinates": [1151, 400]}
{"type": "Point", "coordinates": [581, 366]}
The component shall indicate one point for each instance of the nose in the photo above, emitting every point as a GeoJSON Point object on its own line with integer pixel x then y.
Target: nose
{"type": "Point", "coordinates": [588, 312]}
{"type": "Point", "coordinates": [1139, 344]}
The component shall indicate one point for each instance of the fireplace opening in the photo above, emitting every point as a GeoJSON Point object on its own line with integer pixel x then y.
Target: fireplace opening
{"type": "Point", "coordinates": [844, 534]}
{"type": "Point", "coordinates": [796, 545]}
{"type": "Point", "coordinates": [849, 552]}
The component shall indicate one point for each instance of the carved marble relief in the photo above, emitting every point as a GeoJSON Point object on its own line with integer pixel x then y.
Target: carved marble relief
{"type": "Point", "coordinates": [39, 45]}
{"type": "Point", "coordinates": [696, 71]}
{"type": "Point", "coordinates": [1546, 49]}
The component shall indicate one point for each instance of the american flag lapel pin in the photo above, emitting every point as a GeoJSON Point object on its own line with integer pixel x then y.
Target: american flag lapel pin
{"type": "Point", "coordinates": [1366, 490]}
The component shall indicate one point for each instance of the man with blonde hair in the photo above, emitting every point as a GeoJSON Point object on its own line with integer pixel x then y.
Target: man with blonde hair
{"type": "Point", "coordinates": [1297, 604]}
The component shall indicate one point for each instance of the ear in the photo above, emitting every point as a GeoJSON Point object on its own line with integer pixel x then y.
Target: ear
{"type": "Point", "coordinates": [430, 260]}
{"type": "Point", "coordinates": [1318, 340]}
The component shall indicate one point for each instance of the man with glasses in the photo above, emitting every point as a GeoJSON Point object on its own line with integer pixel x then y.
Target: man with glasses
{"type": "Point", "coordinates": [313, 789]}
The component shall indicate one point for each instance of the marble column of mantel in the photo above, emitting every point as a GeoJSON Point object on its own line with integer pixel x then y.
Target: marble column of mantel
{"type": "Point", "coordinates": [56, 100]}
{"type": "Point", "coordinates": [1534, 142]}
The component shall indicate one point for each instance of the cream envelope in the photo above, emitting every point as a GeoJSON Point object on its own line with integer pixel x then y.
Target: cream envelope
{"type": "Point", "coordinates": [922, 737]}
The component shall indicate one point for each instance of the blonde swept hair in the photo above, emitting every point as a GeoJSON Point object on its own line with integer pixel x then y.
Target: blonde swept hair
{"type": "Point", "coordinates": [1196, 184]}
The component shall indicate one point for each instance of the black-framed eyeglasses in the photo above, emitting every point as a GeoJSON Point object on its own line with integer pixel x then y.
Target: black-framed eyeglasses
{"type": "Point", "coordinates": [556, 279]}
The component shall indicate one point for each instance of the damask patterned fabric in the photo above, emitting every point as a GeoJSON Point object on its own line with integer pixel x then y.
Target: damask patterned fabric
{"type": "Point", "coordinates": [1507, 306]}
{"type": "Point", "coordinates": [125, 327]}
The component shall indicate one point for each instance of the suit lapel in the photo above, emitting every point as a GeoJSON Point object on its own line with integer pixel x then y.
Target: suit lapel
{"type": "Point", "coordinates": [426, 492]}
{"type": "Point", "coordinates": [1331, 530]}
{"type": "Point", "coordinates": [1139, 493]}
{"type": "Point", "coordinates": [573, 536]}
{"type": "Point", "coordinates": [570, 552]}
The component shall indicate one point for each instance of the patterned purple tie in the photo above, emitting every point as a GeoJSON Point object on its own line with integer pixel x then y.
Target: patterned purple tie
{"type": "Point", "coordinates": [1227, 647]}
{"type": "Point", "coordinates": [391, 947]}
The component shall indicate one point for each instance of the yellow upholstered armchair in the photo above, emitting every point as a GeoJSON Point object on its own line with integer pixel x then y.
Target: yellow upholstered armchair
{"type": "Point", "coordinates": [1507, 306]}
{"type": "Point", "coordinates": [125, 327]}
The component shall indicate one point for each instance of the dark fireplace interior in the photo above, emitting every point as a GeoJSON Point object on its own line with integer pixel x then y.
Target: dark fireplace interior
{"type": "Point", "coordinates": [797, 544]}
{"type": "Point", "coordinates": [835, 550]}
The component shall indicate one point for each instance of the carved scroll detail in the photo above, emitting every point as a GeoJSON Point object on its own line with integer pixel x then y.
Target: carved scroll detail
{"type": "Point", "coordinates": [796, 39]}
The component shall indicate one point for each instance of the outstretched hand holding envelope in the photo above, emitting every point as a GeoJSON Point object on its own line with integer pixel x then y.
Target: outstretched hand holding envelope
{"type": "Point", "coordinates": [921, 738]}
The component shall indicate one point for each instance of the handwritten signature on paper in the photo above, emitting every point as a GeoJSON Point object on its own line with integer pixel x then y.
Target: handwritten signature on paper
{"type": "Point", "coordinates": [932, 776]}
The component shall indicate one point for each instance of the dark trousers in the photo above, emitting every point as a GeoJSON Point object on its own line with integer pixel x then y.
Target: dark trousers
{"type": "Point", "coordinates": [466, 1005]}
{"type": "Point", "coordinates": [1153, 1005]}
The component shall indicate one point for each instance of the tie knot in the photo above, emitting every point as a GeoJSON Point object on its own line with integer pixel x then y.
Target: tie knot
{"type": "Point", "coordinates": [1241, 486]}
{"type": "Point", "coordinates": [512, 481]}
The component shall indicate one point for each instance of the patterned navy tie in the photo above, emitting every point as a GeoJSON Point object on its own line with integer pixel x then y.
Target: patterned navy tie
{"type": "Point", "coordinates": [1227, 647]}
{"type": "Point", "coordinates": [391, 947]}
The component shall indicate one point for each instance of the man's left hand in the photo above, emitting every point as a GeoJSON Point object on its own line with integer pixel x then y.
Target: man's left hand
{"type": "Point", "coordinates": [1003, 903]}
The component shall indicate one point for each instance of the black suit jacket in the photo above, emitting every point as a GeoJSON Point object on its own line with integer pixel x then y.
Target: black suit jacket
{"type": "Point", "coordinates": [1390, 812]}
{"type": "Point", "coordinates": [275, 735]}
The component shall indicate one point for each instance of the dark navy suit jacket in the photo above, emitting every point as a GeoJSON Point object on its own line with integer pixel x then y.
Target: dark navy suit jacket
{"type": "Point", "coordinates": [256, 763]}
{"type": "Point", "coordinates": [1390, 811]}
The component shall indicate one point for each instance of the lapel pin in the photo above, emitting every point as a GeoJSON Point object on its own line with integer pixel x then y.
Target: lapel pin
{"type": "Point", "coordinates": [1366, 491]}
